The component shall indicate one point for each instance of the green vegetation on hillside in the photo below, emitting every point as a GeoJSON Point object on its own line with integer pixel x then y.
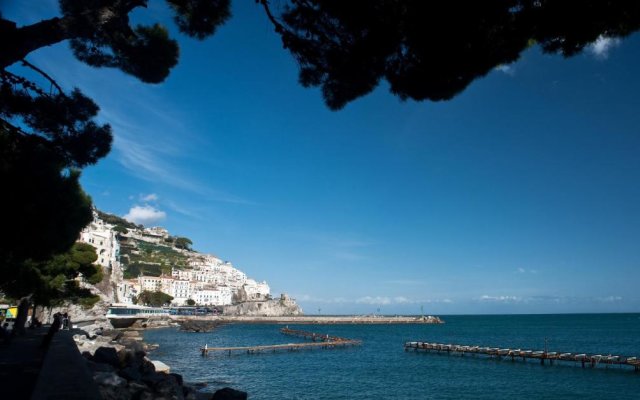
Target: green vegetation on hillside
{"type": "Point", "coordinates": [144, 258]}
{"type": "Point", "coordinates": [154, 299]}
{"type": "Point", "coordinates": [119, 222]}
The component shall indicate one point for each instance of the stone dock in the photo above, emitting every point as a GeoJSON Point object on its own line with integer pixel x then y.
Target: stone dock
{"type": "Point", "coordinates": [315, 319]}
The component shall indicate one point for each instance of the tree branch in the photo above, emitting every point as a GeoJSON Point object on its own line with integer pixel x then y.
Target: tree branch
{"type": "Point", "coordinates": [277, 25]}
{"type": "Point", "coordinates": [41, 72]}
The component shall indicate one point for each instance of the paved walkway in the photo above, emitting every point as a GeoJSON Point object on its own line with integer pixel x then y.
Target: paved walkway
{"type": "Point", "coordinates": [20, 362]}
{"type": "Point", "coordinates": [60, 373]}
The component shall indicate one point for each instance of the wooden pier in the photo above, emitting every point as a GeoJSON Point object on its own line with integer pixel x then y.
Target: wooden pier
{"type": "Point", "coordinates": [319, 341]}
{"type": "Point", "coordinates": [584, 359]}
{"type": "Point", "coordinates": [314, 336]}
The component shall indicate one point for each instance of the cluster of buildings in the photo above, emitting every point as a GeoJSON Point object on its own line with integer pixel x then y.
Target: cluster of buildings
{"type": "Point", "coordinates": [207, 280]}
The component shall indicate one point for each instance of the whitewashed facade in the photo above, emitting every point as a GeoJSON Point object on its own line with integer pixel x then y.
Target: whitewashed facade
{"type": "Point", "coordinates": [102, 236]}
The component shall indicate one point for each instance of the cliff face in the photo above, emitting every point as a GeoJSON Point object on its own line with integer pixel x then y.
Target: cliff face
{"type": "Point", "coordinates": [284, 306]}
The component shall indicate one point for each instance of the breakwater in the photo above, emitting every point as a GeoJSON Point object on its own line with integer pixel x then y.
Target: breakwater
{"type": "Point", "coordinates": [315, 319]}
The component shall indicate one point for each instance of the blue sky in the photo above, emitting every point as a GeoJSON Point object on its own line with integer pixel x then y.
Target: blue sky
{"type": "Point", "coordinates": [521, 195]}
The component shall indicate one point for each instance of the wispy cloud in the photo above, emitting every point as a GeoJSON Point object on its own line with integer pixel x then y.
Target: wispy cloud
{"type": "Point", "coordinates": [406, 282]}
{"type": "Point", "coordinates": [499, 299]}
{"type": "Point", "coordinates": [370, 300]}
{"type": "Point", "coordinates": [149, 197]}
{"type": "Point", "coordinates": [602, 46]}
{"type": "Point", "coordinates": [609, 299]}
{"type": "Point", "coordinates": [381, 300]}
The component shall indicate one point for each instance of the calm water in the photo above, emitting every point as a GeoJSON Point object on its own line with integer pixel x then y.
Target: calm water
{"type": "Point", "coordinates": [380, 369]}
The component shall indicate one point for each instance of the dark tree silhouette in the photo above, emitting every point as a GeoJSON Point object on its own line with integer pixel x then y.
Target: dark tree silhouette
{"type": "Point", "coordinates": [432, 50]}
{"type": "Point", "coordinates": [47, 135]}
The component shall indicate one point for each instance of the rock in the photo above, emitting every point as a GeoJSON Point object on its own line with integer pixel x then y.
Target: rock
{"type": "Point", "coordinates": [147, 366]}
{"type": "Point", "coordinates": [131, 334]}
{"type": "Point", "coordinates": [114, 392]}
{"type": "Point", "coordinates": [135, 388]}
{"type": "Point", "coordinates": [153, 378]}
{"type": "Point", "coordinates": [229, 394]}
{"type": "Point", "coordinates": [160, 366]}
{"type": "Point", "coordinates": [168, 387]}
{"type": "Point", "coordinates": [108, 379]}
{"type": "Point", "coordinates": [106, 355]}
{"type": "Point", "coordinates": [112, 333]}
{"type": "Point", "coordinates": [100, 367]}
{"type": "Point", "coordinates": [131, 373]}
{"type": "Point", "coordinates": [178, 378]}
{"type": "Point", "coordinates": [198, 325]}
{"type": "Point", "coordinates": [102, 339]}
{"type": "Point", "coordinates": [132, 343]}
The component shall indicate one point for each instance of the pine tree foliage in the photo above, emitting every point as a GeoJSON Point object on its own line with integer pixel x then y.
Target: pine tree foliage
{"type": "Point", "coordinates": [432, 50]}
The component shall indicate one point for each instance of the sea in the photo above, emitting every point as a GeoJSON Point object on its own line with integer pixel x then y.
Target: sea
{"type": "Point", "coordinates": [380, 368]}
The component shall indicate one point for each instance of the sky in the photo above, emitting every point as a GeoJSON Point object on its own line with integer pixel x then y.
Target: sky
{"type": "Point", "coordinates": [521, 195]}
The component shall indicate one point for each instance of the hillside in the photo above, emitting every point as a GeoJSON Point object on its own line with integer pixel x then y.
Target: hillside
{"type": "Point", "coordinates": [140, 259]}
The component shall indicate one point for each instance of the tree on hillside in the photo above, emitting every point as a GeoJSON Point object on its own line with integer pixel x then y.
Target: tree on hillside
{"type": "Point", "coordinates": [183, 243]}
{"type": "Point", "coordinates": [154, 299]}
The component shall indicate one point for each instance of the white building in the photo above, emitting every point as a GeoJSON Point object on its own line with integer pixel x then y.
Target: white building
{"type": "Point", "coordinates": [256, 290]}
{"type": "Point", "coordinates": [101, 236]}
{"type": "Point", "coordinates": [150, 283]}
{"type": "Point", "coordinates": [213, 297]}
{"type": "Point", "coordinates": [180, 290]}
{"type": "Point", "coordinates": [127, 290]}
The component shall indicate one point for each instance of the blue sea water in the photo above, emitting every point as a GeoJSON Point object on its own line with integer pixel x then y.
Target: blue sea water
{"type": "Point", "coordinates": [381, 369]}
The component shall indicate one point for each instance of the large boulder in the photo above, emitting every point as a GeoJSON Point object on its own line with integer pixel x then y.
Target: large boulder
{"type": "Point", "coordinates": [107, 355]}
{"type": "Point", "coordinates": [229, 394]}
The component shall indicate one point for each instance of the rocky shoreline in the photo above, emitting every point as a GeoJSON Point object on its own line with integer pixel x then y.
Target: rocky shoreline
{"type": "Point", "coordinates": [119, 363]}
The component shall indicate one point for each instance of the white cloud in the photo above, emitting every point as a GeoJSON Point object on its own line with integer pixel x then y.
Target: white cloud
{"type": "Point", "coordinates": [508, 69]}
{"type": "Point", "coordinates": [145, 215]}
{"type": "Point", "coordinates": [149, 197]}
{"type": "Point", "coordinates": [602, 46]}
{"type": "Point", "coordinates": [402, 300]}
{"type": "Point", "coordinates": [377, 300]}
{"type": "Point", "coordinates": [499, 299]}
{"type": "Point", "coordinates": [610, 299]}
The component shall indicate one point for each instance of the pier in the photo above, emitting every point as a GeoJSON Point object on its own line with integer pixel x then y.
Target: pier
{"type": "Point", "coordinates": [318, 341]}
{"type": "Point", "coordinates": [543, 356]}
{"type": "Point", "coordinates": [314, 336]}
